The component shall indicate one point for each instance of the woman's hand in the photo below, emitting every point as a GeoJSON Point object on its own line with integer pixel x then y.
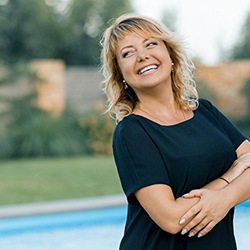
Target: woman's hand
{"type": "Point", "coordinates": [212, 208]}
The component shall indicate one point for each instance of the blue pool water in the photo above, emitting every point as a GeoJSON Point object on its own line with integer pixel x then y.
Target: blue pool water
{"type": "Point", "coordinates": [86, 230]}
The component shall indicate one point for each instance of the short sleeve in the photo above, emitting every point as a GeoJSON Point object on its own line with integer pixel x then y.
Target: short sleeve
{"type": "Point", "coordinates": [137, 158]}
{"type": "Point", "coordinates": [232, 132]}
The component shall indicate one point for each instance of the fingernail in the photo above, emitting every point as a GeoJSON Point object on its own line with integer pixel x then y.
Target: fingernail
{"type": "Point", "coordinates": [191, 234]}
{"type": "Point", "coordinates": [199, 235]}
{"type": "Point", "coordinates": [182, 221]}
{"type": "Point", "coordinates": [184, 231]}
{"type": "Point", "coordinates": [184, 195]}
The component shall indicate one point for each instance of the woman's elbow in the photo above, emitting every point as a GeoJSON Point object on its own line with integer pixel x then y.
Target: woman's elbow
{"type": "Point", "coordinates": [171, 227]}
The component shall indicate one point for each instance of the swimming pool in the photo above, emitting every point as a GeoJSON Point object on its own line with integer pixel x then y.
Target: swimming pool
{"type": "Point", "coordinates": [86, 230]}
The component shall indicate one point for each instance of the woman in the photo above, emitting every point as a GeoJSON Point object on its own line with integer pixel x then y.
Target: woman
{"type": "Point", "coordinates": [181, 162]}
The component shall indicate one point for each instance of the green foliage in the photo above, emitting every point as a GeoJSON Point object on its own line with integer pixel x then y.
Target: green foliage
{"type": "Point", "coordinates": [98, 130]}
{"type": "Point", "coordinates": [14, 72]}
{"type": "Point", "coordinates": [242, 48]}
{"type": "Point", "coordinates": [42, 29]}
{"type": "Point", "coordinates": [86, 21]}
{"type": "Point", "coordinates": [27, 131]}
{"type": "Point", "coordinates": [33, 133]}
{"type": "Point", "coordinates": [169, 18]}
{"type": "Point", "coordinates": [28, 29]}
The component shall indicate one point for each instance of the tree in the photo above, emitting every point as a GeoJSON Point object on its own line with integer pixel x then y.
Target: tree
{"type": "Point", "coordinates": [169, 18]}
{"type": "Point", "coordinates": [86, 21]}
{"type": "Point", "coordinates": [242, 48]}
{"type": "Point", "coordinates": [43, 29]}
{"type": "Point", "coordinates": [28, 29]}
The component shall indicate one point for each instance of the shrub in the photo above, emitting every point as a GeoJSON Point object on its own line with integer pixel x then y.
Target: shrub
{"type": "Point", "coordinates": [97, 129]}
{"type": "Point", "coordinates": [27, 131]}
{"type": "Point", "coordinates": [34, 132]}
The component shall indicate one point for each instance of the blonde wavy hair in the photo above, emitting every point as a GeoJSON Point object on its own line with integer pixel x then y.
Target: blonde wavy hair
{"type": "Point", "coordinates": [121, 101]}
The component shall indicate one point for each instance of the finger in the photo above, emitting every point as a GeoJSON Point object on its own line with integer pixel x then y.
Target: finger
{"type": "Point", "coordinates": [206, 230]}
{"type": "Point", "coordinates": [193, 193]}
{"type": "Point", "coordinates": [190, 214]}
{"type": "Point", "coordinates": [200, 226]}
{"type": "Point", "coordinates": [195, 225]}
{"type": "Point", "coordinates": [188, 195]}
{"type": "Point", "coordinates": [197, 192]}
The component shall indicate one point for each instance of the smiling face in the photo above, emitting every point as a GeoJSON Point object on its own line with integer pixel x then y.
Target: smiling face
{"type": "Point", "coordinates": [144, 62]}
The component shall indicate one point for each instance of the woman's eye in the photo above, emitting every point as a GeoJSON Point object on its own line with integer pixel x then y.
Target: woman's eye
{"type": "Point", "coordinates": [151, 44]}
{"type": "Point", "coordinates": [124, 55]}
{"type": "Point", "coordinates": [127, 54]}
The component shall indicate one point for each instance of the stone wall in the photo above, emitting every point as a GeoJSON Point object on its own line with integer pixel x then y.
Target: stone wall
{"type": "Point", "coordinates": [226, 82]}
{"type": "Point", "coordinates": [81, 89]}
{"type": "Point", "coordinates": [50, 85]}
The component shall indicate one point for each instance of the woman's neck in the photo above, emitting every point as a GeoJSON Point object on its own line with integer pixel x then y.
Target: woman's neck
{"type": "Point", "coordinates": [161, 103]}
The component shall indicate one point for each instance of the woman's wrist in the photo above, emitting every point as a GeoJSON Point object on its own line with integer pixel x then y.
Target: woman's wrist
{"type": "Point", "coordinates": [224, 179]}
{"type": "Point", "coordinates": [216, 184]}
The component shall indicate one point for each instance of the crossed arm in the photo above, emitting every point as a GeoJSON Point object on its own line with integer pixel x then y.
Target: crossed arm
{"type": "Point", "coordinates": [215, 202]}
{"type": "Point", "coordinates": [201, 209]}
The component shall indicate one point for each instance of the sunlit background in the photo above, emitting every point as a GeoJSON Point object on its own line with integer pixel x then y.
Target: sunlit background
{"type": "Point", "coordinates": [55, 137]}
{"type": "Point", "coordinates": [211, 28]}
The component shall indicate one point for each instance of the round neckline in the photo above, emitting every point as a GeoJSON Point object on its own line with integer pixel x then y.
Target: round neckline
{"type": "Point", "coordinates": [161, 125]}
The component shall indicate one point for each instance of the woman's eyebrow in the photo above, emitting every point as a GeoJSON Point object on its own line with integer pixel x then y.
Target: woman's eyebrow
{"type": "Point", "coordinates": [131, 46]}
{"type": "Point", "coordinates": [126, 47]}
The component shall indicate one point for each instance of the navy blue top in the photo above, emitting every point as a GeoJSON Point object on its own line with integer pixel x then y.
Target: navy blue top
{"type": "Point", "coordinates": [184, 156]}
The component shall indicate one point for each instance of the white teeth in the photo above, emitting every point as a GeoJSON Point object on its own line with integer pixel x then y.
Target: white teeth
{"type": "Point", "coordinates": [148, 68]}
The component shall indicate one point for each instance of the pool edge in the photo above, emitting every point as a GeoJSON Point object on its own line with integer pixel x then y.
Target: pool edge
{"type": "Point", "coordinates": [68, 205]}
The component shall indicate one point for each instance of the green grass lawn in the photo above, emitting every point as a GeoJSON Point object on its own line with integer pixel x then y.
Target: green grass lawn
{"type": "Point", "coordinates": [36, 180]}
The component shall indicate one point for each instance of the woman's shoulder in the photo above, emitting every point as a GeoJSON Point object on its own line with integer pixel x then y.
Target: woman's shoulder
{"type": "Point", "coordinates": [127, 121]}
{"type": "Point", "coordinates": [208, 107]}
{"type": "Point", "coordinates": [127, 124]}
{"type": "Point", "coordinates": [204, 103]}
{"type": "Point", "coordinates": [134, 125]}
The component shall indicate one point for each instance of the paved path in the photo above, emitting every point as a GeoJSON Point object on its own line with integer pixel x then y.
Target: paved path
{"type": "Point", "coordinates": [61, 206]}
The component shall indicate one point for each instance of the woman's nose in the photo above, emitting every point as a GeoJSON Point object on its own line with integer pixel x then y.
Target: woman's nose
{"type": "Point", "coordinates": [142, 55]}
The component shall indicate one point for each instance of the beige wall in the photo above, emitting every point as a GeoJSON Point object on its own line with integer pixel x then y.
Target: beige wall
{"type": "Point", "coordinates": [50, 85]}
{"type": "Point", "coordinates": [80, 87]}
{"type": "Point", "coordinates": [226, 82]}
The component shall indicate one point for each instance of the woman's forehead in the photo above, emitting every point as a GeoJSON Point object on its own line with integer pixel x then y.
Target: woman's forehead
{"type": "Point", "coordinates": [131, 38]}
{"type": "Point", "coordinates": [136, 34]}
